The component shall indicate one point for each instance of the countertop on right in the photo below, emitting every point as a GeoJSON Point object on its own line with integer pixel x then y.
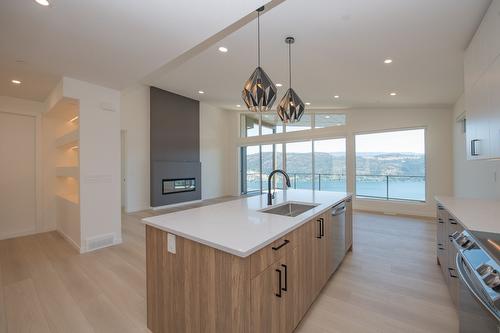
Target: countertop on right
{"type": "Point", "coordinates": [474, 214]}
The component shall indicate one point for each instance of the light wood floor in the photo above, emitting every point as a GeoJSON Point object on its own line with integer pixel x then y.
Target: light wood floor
{"type": "Point", "coordinates": [390, 283]}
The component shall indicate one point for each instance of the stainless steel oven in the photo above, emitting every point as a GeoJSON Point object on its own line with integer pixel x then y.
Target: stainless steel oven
{"type": "Point", "coordinates": [479, 275]}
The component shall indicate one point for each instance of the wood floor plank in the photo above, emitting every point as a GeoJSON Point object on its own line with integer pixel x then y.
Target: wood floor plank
{"type": "Point", "coordinates": [385, 285]}
{"type": "Point", "coordinates": [60, 309]}
{"type": "Point", "coordinates": [23, 311]}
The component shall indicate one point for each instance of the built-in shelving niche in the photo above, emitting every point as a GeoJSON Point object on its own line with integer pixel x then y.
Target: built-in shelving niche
{"type": "Point", "coordinates": [61, 129]}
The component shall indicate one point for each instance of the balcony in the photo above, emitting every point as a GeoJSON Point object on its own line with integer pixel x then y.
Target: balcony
{"type": "Point", "coordinates": [387, 187]}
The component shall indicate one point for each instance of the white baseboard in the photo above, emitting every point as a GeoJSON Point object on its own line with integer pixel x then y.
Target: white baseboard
{"type": "Point", "coordinates": [69, 240]}
{"type": "Point", "coordinates": [176, 205]}
{"type": "Point", "coordinates": [18, 234]}
{"type": "Point", "coordinates": [26, 233]}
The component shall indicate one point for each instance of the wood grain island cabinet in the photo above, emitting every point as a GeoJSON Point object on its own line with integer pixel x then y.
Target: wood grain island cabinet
{"type": "Point", "coordinates": [203, 289]}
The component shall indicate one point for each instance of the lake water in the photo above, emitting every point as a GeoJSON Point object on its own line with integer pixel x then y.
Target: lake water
{"type": "Point", "coordinates": [404, 188]}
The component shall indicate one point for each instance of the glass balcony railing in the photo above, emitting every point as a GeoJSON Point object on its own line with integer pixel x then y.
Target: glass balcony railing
{"type": "Point", "coordinates": [386, 187]}
{"type": "Point", "coordinates": [391, 187]}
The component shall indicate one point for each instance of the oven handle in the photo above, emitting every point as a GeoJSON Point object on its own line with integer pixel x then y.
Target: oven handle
{"type": "Point", "coordinates": [463, 277]}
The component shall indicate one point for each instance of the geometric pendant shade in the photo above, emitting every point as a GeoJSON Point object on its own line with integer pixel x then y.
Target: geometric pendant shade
{"type": "Point", "coordinates": [259, 92]}
{"type": "Point", "coordinates": [291, 108]}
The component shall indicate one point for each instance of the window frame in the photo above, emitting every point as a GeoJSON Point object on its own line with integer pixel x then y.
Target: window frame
{"type": "Point", "coordinates": [284, 154]}
{"type": "Point", "coordinates": [389, 130]}
{"type": "Point", "coordinates": [313, 128]}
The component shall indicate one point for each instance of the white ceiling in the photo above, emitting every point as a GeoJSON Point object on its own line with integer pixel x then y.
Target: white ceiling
{"type": "Point", "coordinates": [114, 43]}
{"type": "Point", "coordinates": [339, 50]}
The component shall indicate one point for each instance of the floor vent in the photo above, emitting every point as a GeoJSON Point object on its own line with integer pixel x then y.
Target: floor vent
{"type": "Point", "coordinates": [100, 242]}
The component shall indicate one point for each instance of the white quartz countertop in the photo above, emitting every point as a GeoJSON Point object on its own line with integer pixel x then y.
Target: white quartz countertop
{"type": "Point", "coordinates": [238, 227]}
{"type": "Point", "coordinates": [474, 214]}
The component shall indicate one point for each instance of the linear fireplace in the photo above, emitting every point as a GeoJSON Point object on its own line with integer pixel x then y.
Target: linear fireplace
{"type": "Point", "coordinates": [170, 186]}
{"type": "Point", "coordinates": [174, 148]}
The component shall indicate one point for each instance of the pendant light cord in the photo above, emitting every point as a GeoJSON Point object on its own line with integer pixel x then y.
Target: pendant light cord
{"type": "Point", "coordinates": [290, 64]}
{"type": "Point", "coordinates": [258, 37]}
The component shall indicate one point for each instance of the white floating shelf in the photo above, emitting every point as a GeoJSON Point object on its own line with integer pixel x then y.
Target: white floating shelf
{"type": "Point", "coordinates": [71, 198]}
{"type": "Point", "coordinates": [69, 140]}
{"type": "Point", "coordinates": [68, 172]}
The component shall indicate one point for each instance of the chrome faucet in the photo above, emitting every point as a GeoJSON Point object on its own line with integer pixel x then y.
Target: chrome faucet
{"type": "Point", "coordinates": [270, 195]}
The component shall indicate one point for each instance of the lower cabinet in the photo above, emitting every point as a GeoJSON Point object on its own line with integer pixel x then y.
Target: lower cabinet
{"type": "Point", "coordinates": [447, 225]}
{"type": "Point", "coordinates": [268, 307]}
{"type": "Point", "coordinates": [269, 291]}
{"type": "Point", "coordinates": [284, 291]}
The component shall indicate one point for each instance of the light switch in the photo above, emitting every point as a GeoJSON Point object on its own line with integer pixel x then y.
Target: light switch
{"type": "Point", "coordinates": [171, 243]}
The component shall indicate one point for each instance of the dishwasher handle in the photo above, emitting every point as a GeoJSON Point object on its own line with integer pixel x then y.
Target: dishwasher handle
{"type": "Point", "coordinates": [338, 210]}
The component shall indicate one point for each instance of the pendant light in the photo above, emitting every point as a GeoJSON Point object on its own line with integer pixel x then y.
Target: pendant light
{"type": "Point", "coordinates": [291, 108]}
{"type": "Point", "coordinates": [259, 92]}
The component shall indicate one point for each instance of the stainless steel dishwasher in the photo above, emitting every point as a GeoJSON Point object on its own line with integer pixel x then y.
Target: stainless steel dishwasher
{"type": "Point", "coordinates": [338, 223]}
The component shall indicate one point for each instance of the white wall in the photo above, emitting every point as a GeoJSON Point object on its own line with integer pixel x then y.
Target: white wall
{"type": "Point", "coordinates": [214, 147]}
{"type": "Point", "coordinates": [214, 151]}
{"type": "Point", "coordinates": [32, 111]}
{"type": "Point", "coordinates": [437, 122]}
{"type": "Point", "coordinates": [135, 123]}
{"type": "Point", "coordinates": [472, 179]}
{"type": "Point", "coordinates": [99, 159]}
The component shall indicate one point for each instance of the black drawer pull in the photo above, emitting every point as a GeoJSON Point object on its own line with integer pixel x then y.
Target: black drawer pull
{"type": "Point", "coordinates": [320, 229]}
{"type": "Point", "coordinates": [452, 221]}
{"type": "Point", "coordinates": [440, 220]}
{"type": "Point", "coordinates": [276, 248]}
{"type": "Point", "coordinates": [286, 277]}
{"type": "Point", "coordinates": [278, 294]}
{"type": "Point", "coordinates": [322, 220]}
{"type": "Point", "coordinates": [452, 275]}
{"type": "Point", "coordinates": [441, 248]}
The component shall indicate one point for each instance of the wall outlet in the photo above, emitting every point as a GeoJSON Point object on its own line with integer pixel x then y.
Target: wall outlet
{"type": "Point", "coordinates": [171, 243]}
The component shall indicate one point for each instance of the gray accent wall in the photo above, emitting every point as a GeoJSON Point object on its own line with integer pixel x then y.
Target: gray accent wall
{"type": "Point", "coordinates": [174, 144]}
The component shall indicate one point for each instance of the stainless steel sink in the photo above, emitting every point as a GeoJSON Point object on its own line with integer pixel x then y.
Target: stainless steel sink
{"type": "Point", "coordinates": [291, 209]}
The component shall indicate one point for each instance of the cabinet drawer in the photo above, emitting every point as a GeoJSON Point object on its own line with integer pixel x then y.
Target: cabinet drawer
{"type": "Point", "coordinates": [265, 257]}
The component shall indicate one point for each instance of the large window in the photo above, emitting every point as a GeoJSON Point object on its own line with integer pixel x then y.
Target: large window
{"type": "Point", "coordinates": [322, 170]}
{"type": "Point", "coordinates": [391, 165]}
{"type": "Point", "coordinates": [299, 164]}
{"type": "Point", "coordinates": [250, 161]}
{"type": "Point", "coordinates": [330, 165]}
{"type": "Point", "coordinates": [257, 162]}
{"type": "Point", "coordinates": [256, 124]}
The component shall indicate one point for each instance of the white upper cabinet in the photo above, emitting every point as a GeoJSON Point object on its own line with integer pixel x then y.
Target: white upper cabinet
{"type": "Point", "coordinates": [482, 89]}
{"type": "Point", "coordinates": [494, 118]}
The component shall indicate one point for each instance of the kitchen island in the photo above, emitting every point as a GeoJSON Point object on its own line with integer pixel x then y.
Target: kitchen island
{"type": "Point", "coordinates": [233, 267]}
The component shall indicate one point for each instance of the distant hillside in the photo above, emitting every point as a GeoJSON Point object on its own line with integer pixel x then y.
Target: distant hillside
{"type": "Point", "coordinates": [406, 164]}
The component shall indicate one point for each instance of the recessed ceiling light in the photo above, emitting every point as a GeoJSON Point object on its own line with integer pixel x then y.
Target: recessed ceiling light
{"type": "Point", "coordinates": [223, 49]}
{"type": "Point", "coordinates": [307, 103]}
{"type": "Point", "coordinates": [201, 92]}
{"type": "Point", "coordinates": [336, 96]}
{"type": "Point", "coordinates": [279, 85]}
{"type": "Point", "coordinates": [393, 94]}
{"type": "Point", "coordinates": [238, 106]}
{"type": "Point", "coordinates": [43, 2]}
{"type": "Point", "coordinates": [387, 61]}
{"type": "Point", "coordinates": [16, 81]}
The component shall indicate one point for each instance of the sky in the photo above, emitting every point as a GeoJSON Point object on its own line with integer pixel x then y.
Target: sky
{"type": "Point", "coordinates": [407, 141]}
